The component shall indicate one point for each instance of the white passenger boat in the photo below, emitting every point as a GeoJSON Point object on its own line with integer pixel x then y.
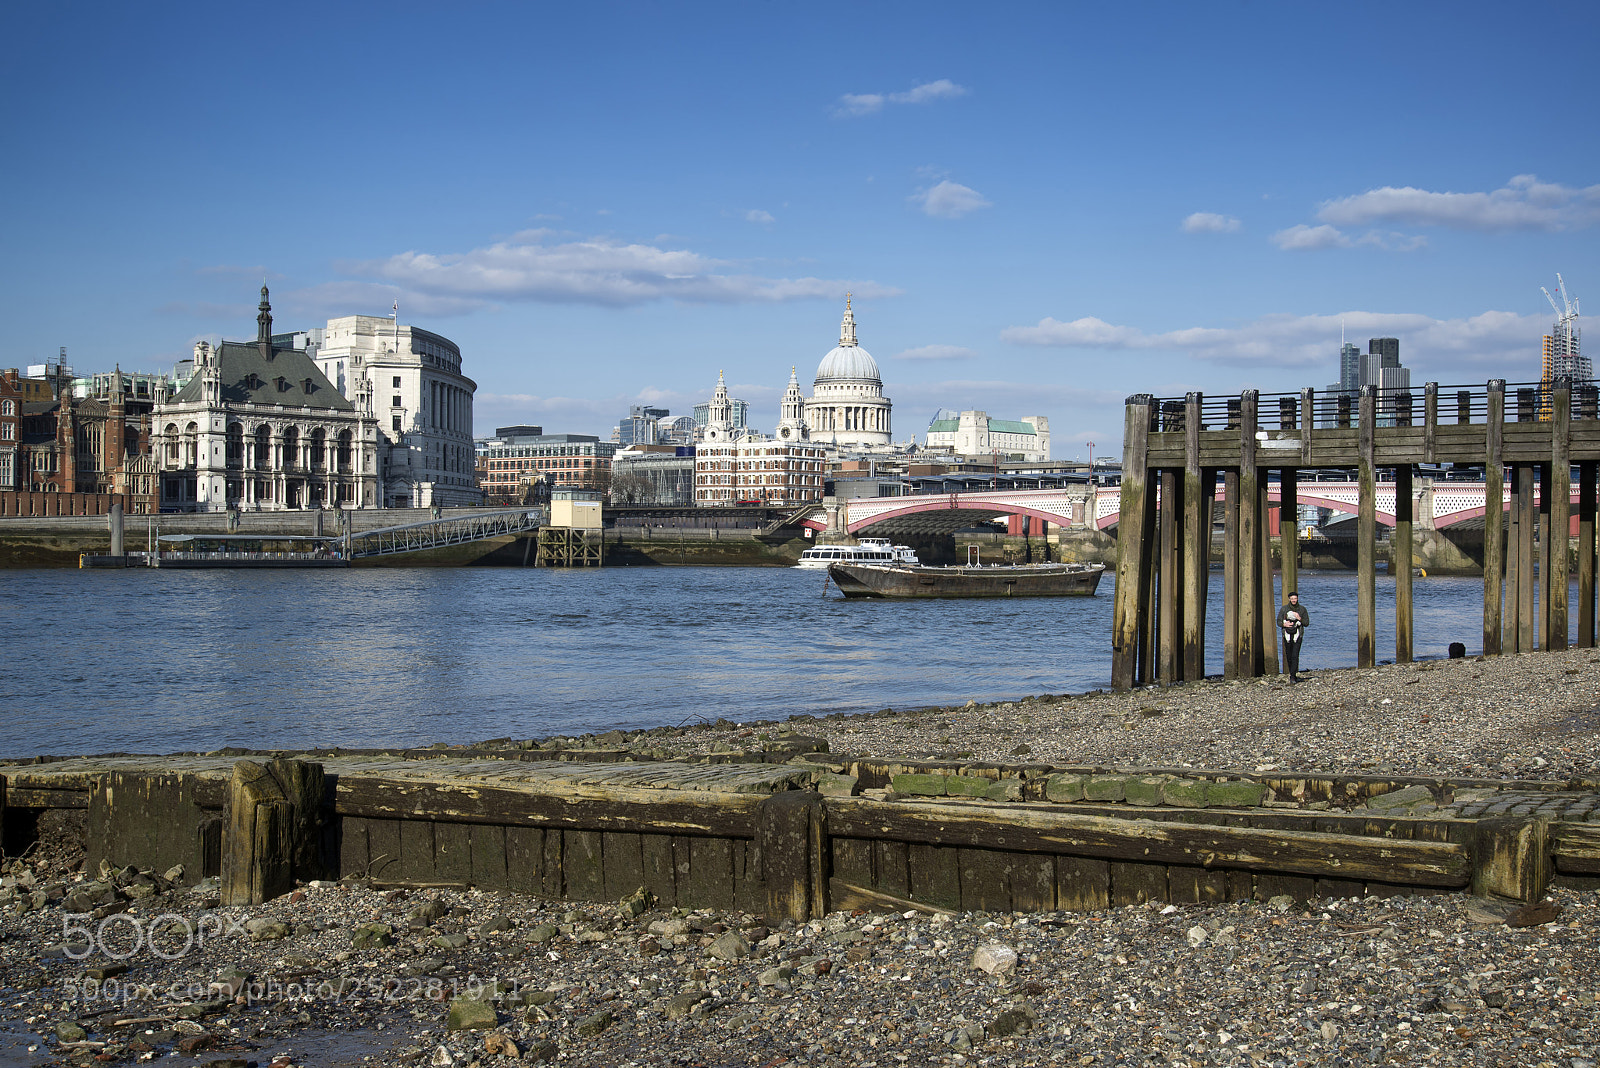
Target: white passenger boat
{"type": "Point", "coordinates": [868, 551]}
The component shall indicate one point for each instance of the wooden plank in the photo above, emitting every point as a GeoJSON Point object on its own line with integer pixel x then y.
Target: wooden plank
{"type": "Point", "coordinates": [749, 886]}
{"type": "Point", "coordinates": [1367, 535]}
{"type": "Point", "coordinates": [1558, 492]}
{"type": "Point", "coordinates": [152, 820]}
{"type": "Point", "coordinates": [1587, 473]}
{"type": "Point", "coordinates": [1190, 885]}
{"type": "Point", "coordinates": [1230, 574]}
{"type": "Point", "coordinates": [852, 860]}
{"type": "Point", "coordinates": [1270, 885]}
{"type": "Point", "coordinates": [20, 797]}
{"type": "Point", "coordinates": [1400, 556]}
{"type": "Point", "coordinates": [383, 849]}
{"type": "Point", "coordinates": [638, 811]}
{"type": "Point", "coordinates": [1576, 848]}
{"type": "Point", "coordinates": [655, 854]}
{"type": "Point", "coordinates": [786, 857]}
{"type": "Point", "coordinates": [452, 852]}
{"type": "Point", "coordinates": [1340, 888]}
{"type": "Point", "coordinates": [984, 883]}
{"type": "Point", "coordinates": [934, 873]}
{"type": "Point", "coordinates": [1197, 545]}
{"type": "Point", "coordinates": [487, 847]}
{"type": "Point", "coordinates": [553, 868]}
{"type": "Point", "coordinates": [1033, 883]}
{"type": "Point", "coordinates": [1169, 660]}
{"type": "Point", "coordinates": [1132, 554]}
{"type": "Point", "coordinates": [624, 864]}
{"type": "Point", "coordinates": [1046, 829]}
{"type": "Point", "coordinates": [583, 865]}
{"type": "Point", "coordinates": [1134, 883]}
{"type": "Point", "coordinates": [1248, 645]}
{"type": "Point", "coordinates": [1241, 886]}
{"type": "Point", "coordinates": [710, 874]}
{"type": "Point", "coordinates": [1083, 884]}
{"type": "Point", "coordinates": [415, 861]}
{"type": "Point", "coordinates": [524, 853]}
{"type": "Point", "coordinates": [1512, 859]}
{"type": "Point", "coordinates": [354, 852]}
{"type": "Point", "coordinates": [889, 865]}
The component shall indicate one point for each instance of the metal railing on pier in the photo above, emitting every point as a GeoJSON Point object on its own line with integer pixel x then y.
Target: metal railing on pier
{"type": "Point", "coordinates": [437, 533]}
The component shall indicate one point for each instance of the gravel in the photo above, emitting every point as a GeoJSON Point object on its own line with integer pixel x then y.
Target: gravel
{"type": "Point", "coordinates": [351, 973]}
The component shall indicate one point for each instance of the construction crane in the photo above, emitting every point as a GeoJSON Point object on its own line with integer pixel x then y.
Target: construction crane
{"type": "Point", "coordinates": [1563, 317]}
{"type": "Point", "coordinates": [1563, 355]}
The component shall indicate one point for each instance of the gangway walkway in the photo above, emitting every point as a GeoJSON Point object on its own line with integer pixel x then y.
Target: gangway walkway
{"type": "Point", "coordinates": [437, 533]}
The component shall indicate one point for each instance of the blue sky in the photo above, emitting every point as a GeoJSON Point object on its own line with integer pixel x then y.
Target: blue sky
{"type": "Point", "coordinates": [1040, 208]}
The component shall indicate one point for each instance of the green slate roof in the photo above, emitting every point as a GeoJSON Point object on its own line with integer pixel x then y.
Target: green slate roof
{"type": "Point", "coordinates": [289, 378]}
{"type": "Point", "coordinates": [996, 426]}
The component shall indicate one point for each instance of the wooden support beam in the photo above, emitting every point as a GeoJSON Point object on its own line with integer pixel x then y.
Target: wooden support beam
{"type": "Point", "coordinates": [1367, 534]}
{"type": "Point", "coordinates": [1558, 508]}
{"type": "Point", "coordinates": [1494, 559]}
{"type": "Point", "coordinates": [1132, 552]}
{"type": "Point", "coordinates": [1527, 625]}
{"type": "Point", "coordinates": [1267, 612]}
{"type": "Point", "coordinates": [1288, 529]}
{"type": "Point", "coordinates": [1248, 643]}
{"type": "Point", "coordinates": [1513, 615]}
{"type": "Point", "coordinates": [792, 864]}
{"type": "Point", "coordinates": [1150, 585]}
{"type": "Point", "coordinates": [1029, 829]}
{"type": "Point", "coordinates": [1511, 859]}
{"type": "Point", "coordinates": [1586, 554]}
{"type": "Point", "coordinates": [1400, 551]}
{"type": "Point", "coordinates": [1196, 545]}
{"type": "Point", "coordinates": [272, 834]}
{"type": "Point", "coordinates": [1168, 655]}
{"type": "Point", "coordinates": [1230, 574]}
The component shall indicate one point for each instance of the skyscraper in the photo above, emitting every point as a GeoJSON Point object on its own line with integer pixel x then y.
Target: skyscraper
{"type": "Point", "coordinates": [1563, 351]}
{"type": "Point", "coordinates": [1380, 367]}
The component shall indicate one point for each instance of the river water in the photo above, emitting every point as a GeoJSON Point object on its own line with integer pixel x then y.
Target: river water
{"type": "Point", "coordinates": [162, 661]}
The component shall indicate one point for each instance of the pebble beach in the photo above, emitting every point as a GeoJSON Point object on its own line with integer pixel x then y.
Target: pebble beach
{"type": "Point", "coordinates": [355, 973]}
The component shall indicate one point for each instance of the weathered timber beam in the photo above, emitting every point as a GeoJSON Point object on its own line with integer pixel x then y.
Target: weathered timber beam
{"type": "Point", "coordinates": [1032, 830]}
{"type": "Point", "coordinates": [1576, 848]}
{"type": "Point", "coordinates": [29, 797]}
{"type": "Point", "coordinates": [580, 809]}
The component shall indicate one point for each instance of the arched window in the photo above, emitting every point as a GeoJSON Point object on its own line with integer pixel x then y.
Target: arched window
{"type": "Point", "coordinates": [319, 449]}
{"type": "Point", "coordinates": [343, 452]}
{"type": "Point", "coordinates": [291, 448]}
{"type": "Point", "coordinates": [8, 407]}
{"type": "Point", "coordinates": [191, 447]}
{"type": "Point", "coordinates": [263, 446]}
{"type": "Point", "coordinates": [235, 451]}
{"type": "Point", "coordinates": [171, 435]}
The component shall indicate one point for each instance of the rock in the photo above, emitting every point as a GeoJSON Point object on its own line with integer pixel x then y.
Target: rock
{"type": "Point", "coordinates": [774, 976]}
{"type": "Point", "coordinates": [857, 954]}
{"type": "Point", "coordinates": [919, 784]}
{"type": "Point", "coordinates": [1104, 788]}
{"type": "Point", "coordinates": [995, 958]}
{"type": "Point", "coordinates": [173, 874]}
{"type": "Point", "coordinates": [1064, 788]}
{"type": "Point", "coordinates": [1408, 797]}
{"type": "Point", "coordinates": [429, 912]}
{"type": "Point", "coordinates": [670, 928]}
{"type": "Point", "coordinates": [637, 903]}
{"type": "Point", "coordinates": [592, 1025]}
{"type": "Point", "coordinates": [442, 1059]}
{"type": "Point", "coordinates": [837, 785]}
{"type": "Point", "coordinates": [540, 997]}
{"type": "Point", "coordinates": [1197, 936]}
{"type": "Point", "coordinates": [1004, 790]}
{"type": "Point", "coordinates": [495, 925]}
{"type": "Point", "coordinates": [471, 1014]}
{"type": "Point", "coordinates": [451, 941]}
{"type": "Point", "coordinates": [372, 936]}
{"type": "Point", "coordinates": [263, 929]}
{"type": "Point", "coordinates": [1183, 793]}
{"type": "Point", "coordinates": [1281, 902]}
{"type": "Point", "coordinates": [967, 785]}
{"type": "Point", "coordinates": [543, 933]}
{"type": "Point", "coordinates": [1533, 915]}
{"type": "Point", "coordinates": [1235, 794]}
{"type": "Point", "coordinates": [70, 1032]}
{"type": "Point", "coordinates": [1143, 791]}
{"type": "Point", "coordinates": [193, 1043]}
{"type": "Point", "coordinates": [649, 946]}
{"type": "Point", "coordinates": [1330, 1031]}
{"type": "Point", "coordinates": [730, 945]}
{"type": "Point", "coordinates": [541, 1053]}
{"type": "Point", "coordinates": [500, 1045]}
{"type": "Point", "coordinates": [678, 1006]}
{"type": "Point", "coordinates": [1017, 1021]}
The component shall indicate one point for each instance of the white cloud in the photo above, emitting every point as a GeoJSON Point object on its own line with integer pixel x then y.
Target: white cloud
{"type": "Point", "coordinates": [855, 104]}
{"type": "Point", "coordinates": [326, 300]}
{"type": "Point", "coordinates": [1493, 338]}
{"type": "Point", "coordinates": [1523, 203]}
{"type": "Point", "coordinates": [1209, 222]}
{"type": "Point", "coordinates": [1302, 237]}
{"type": "Point", "coordinates": [530, 267]}
{"type": "Point", "coordinates": [936, 352]}
{"type": "Point", "coordinates": [756, 215]}
{"type": "Point", "coordinates": [949, 200]}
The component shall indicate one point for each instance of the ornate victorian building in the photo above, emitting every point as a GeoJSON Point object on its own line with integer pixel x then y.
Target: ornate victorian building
{"type": "Point", "coordinates": [847, 408]}
{"type": "Point", "coordinates": [259, 426]}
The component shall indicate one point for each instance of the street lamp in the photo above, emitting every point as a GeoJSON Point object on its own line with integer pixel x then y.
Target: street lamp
{"type": "Point", "coordinates": [1091, 462]}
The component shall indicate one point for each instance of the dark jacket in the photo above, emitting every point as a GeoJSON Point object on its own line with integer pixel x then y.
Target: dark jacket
{"type": "Point", "coordinates": [1296, 610]}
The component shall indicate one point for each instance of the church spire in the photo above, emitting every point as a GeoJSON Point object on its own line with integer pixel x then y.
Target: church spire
{"type": "Point", "coordinates": [847, 326]}
{"type": "Point", "coordinates": [264, 324]}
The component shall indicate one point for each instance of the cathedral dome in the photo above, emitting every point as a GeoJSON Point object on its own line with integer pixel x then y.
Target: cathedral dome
{"type": "Point", "coordinates": [848, 362]}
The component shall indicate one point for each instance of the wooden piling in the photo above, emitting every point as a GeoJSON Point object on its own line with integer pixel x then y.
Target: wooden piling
{"type": "Point", "coordinates": [788, 824]}
{"type": "Point", "coordinates": [1494, 560]}
{"type": "Point", "coordinates": [1132, 552]}
{"type": "Point", "coordinates": [1527, 625]}
{"type": "Point", "coordinates": [1367, 533]}
{"type": "Point", "coordinates": [1400, 550]}
{"type": "Point", "coordinates": [1511, 859]}
{"type": "Point", "coordinates": [273, 831]}
{"type": "Point", "coordinates": [1288, 529]}
{"type": "Point", "coordinates": [1558, 510]}
{"type": "Point", "coordinates": [1168, 657]}
{"type": "Point", "coordinates": [1196, 545]}
{"type": "Point", "coordinates": [1586, 554]}
{"type": "Point", "coordinates": [1513, 615]}
{"type": "Point", "coordinates": [1248, 643]}
{"type": "Point", "coordinates": [1230, 574]}
{"type": "Point", "coordinates": [1267, 612]}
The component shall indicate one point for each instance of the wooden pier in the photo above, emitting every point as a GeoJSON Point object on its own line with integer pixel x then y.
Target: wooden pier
{"type": "Point", "coordinates": [1177, 452]}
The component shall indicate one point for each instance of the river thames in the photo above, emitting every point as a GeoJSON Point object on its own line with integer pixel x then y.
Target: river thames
{"type": "Point", "coordinates": [163, 661]}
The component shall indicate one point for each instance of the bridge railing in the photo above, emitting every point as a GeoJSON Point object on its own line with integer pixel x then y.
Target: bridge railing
{"type": "Point", "coordinates": [437, 533]}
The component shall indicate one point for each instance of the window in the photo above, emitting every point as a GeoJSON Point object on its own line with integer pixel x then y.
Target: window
{"type": "Point", "coordinates": [8, 407]}
{"type": "Point", "coordinates": [396, 382]}
{"type": "Point", "coordinates": [395, 403]}
{"type": "Point", "coordinates": [397, 423]}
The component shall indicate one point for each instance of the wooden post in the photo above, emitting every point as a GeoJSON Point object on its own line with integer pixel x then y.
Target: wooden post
{"type": "Point", "coordinates": [1527, 625]}
{"type": "Point", "coordinates": [1230, 574]}
{"type": "Point", "coordinates": [1196, 545]}
{"type": "Point", "coordinates": [1132, 553]}
{"type": "Point", "coordinates": [792, 854]}
{"type": "Point", "coordinates": [1400, 563]}
{"type": "Point", "coordinates": [1150, 584]}
{"type": "Point", "coordinates": [1494, 559]}
{"type": "Point", "coordinates": [1430, 419]}
{"type": "Point", "coordinates": [1249, 640]}
{"type": "Point", "coordinates": [1586, 554]}
{"type": "Point", "coordinates": [1267, 612]}
{"type": "Point", "coordinates": [1513, 621]}
{"type": "Point", "coordinates": [1288, 529]}
{"type": "Point", "coordinates": [1367, 534]}
{"type": "Point", "coordinates": [1558, 510]}
{"type": "Point", "coordinates": [273, 829]}
{"type": "Point", "coordinates": [1511, 859]}
{"type": "Point", "coordinates": [1168, 658]}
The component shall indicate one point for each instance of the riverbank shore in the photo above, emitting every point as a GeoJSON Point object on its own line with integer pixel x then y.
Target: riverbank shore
{"type": "Point", "coordinates": [361, 973]}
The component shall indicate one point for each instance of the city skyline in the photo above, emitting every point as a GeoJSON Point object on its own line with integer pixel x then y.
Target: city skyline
{"type": "Point", "coordinates": [1037, 213]}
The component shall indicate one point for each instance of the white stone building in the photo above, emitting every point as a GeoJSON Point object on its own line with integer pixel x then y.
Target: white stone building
{"type": "Point", "coordinates": [422, 402]}
{"type": "Point", "coordinates": [847, 408]}
{"type": "Point", "coordinates": [734, 467]}
{"type": "Point", "coordinates": [259, 427]}
{"type": "Point", "coordinates": [973, 433]}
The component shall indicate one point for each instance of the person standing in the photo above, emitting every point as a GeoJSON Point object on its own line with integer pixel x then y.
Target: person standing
{"type": "Point", "coordinates": [1292, 620]}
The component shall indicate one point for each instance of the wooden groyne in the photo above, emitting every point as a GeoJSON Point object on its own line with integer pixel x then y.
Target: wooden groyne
{"type": "Point", "coordinates": [1178, 453]}
{"type": "Point", "coordinates": [792, 833]}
